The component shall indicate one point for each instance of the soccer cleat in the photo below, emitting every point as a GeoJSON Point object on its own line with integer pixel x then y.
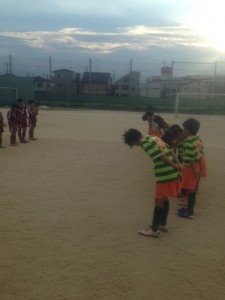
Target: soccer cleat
{"type": "Point", "coordinates": [23, 142]}
{"type": "Point", "coordinates": [163, 228]}
{"type": "Point", "coordinates": [149, 232]}
{"type": "Point", "coordinates": [183, 213]}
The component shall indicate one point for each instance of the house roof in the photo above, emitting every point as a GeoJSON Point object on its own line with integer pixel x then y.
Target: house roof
{"type": "Point", "coordinates": [96, 77]}
{"type": "Point", "coordinates": [63, 70]}
{"type": "Point", "coordinates": [40, 79]}
{"type": "Point", "coordinates": [8, 75]}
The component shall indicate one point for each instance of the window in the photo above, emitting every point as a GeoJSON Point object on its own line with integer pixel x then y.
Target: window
{"type": "Point", "coordinates": [40, 84]}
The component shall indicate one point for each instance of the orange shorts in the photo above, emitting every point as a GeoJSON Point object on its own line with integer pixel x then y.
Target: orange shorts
{"type": "Point", "coordinates": [168, 189]}
{"type": "Point", "coordinates": [189, 179]}
{"type": "Point", "coordinates": [154, 132]}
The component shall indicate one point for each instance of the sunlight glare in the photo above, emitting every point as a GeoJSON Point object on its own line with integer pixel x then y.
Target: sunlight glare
{"type": "Point", "coordinates": [208, 20]}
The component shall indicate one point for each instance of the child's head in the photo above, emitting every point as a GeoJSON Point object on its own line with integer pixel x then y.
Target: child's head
{"type": "Point", "coordinates": [191, 127]}
{"type": "Point", "coordinates": [132, 137]}
{"type": "Point", "coordinates": [14, 106]}
{"type": "Point", "coordinates": [160, 122]}
{"type": "Point", "coordinates": [20, 102]}
{"type": "Point", "coordinates": [173, 135]}
{"type": "Point", "coordinates": [149, 114]}
{"type": "Point", "coordinates": [31, 102]}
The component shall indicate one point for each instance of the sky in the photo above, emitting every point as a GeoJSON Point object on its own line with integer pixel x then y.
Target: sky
{"type": "Point", "coordinates": [118, 35]}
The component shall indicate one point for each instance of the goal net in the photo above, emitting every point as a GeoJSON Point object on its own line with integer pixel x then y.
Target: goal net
{"type": "Point", "coordinates": [8, 96]}
{"type": "Point", "coordinates": [199, 103]}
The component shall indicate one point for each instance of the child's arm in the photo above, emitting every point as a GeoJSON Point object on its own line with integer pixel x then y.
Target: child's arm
{"type": "Point", "coordinates": [192, 164]}
{"type": "Point", "coordinates": [176, 160]}
{"type": "Point", "coordinates": [170, 162]}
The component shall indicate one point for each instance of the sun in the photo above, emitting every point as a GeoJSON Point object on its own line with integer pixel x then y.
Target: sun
{"type": "Point", "coordinates": [214, 33]}
{"type": "Point", "coordinates": [208, 21]}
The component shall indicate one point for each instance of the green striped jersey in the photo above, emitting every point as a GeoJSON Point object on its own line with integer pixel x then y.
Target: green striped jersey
{"type": "Point", "coordinates": [192, 150]}
{"type": "Point", "coordinates": [156, 148]}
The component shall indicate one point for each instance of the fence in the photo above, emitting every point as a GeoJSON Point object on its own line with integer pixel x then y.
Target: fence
{"type": "Point", "coordinates": [26, 69]}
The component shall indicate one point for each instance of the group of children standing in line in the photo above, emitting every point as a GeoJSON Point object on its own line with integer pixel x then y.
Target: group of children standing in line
{"type": "Point", "coordinates": [179, 163]}
{"type": "Point", "coordinates": [19, 118]}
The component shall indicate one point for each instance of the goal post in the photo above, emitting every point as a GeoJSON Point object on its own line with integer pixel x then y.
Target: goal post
{"type": "Point", "coordinates": [206, 103]}
{"type": "Point", "coordinates": [8, 95]}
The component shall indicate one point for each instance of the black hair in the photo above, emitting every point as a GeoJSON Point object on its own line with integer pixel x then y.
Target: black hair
{"type": "Point", "coordinates": [192, 125]}
{"type": "Point", "coordinates": [149, 112]}
{"type": "Point", "coordinates": [130, 136]}
{"type": "Point", "coordinates": [31, 101]}
{"type": "Point", "coordinates": [159, 121]}
{"type": "Point", "coordinates": [19, 100]}
{"type": "Point", "coordinates": [14, 105]}
{"type": "Point", "coordinates": [171, 134]}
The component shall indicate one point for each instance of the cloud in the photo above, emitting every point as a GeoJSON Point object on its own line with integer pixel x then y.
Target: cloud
{"type": "Point", "coordinates": [135, 38]}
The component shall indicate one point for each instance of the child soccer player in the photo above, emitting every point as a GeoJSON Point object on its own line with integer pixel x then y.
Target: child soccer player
{"type": "Point", "coordinates": [156, 124]}
{"type": "Point", "coordinates": [174, 138]}
{"type": "Point", "coordinates": [32, 116]}
{"type": "Point", "coordinates": [192, 160]}
{"type": "Point", "coordinates": [167, 175]}
{"type": "Point", "coordinates": [2, 125]}
{"type": "Point", "coordinates": [12, 122]}
{"type": "Point", "coordinates": [21, 120]}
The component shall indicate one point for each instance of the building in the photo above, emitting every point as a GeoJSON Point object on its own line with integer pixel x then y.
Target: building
{"type": "Point", "coordinates": [203, 84]}
{"type": "Point", "coordinates": [128, 85]}
{"type": "Point", "coordinates": [166, 73]}
{"type": "Point", "coordinates": [151, 87]}
{"type": "Point", "coordinates": [96, 83]}
{"type": "Point", "coordinates": [66, 81]}
{"type": "Point", "coordinates": [167, 86]}
{"type": "Point", "coordinates": [41, 84]}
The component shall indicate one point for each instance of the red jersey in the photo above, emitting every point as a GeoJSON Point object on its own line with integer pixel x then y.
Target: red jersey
{"type": "Point", "coordinates": [22, 116]}
{"type": "Point", "coordinates": [32, 113]}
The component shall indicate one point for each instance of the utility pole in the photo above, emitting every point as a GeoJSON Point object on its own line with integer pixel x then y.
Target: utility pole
{"type": "Point", "coordinates": [90, 79]}
{"type": "Point", "coordinates": [50, 80]}
{"type": "Point", "coordinates": [214, 76]}
{"type": "Point", "coordinates": [171, 82]}
{"type": "Point", "coordinates": [10, 64]}
{"type": "Point", "coordinates": [131, 62]}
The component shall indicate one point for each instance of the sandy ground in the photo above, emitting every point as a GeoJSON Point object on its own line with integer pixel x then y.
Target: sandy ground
{"type": "Point", "coordinates": [71, 204]}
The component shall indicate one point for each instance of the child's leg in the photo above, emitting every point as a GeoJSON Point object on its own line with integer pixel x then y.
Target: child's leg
{"type": "Point", "coordinates": [13, 136]}
{"type": "Point", "coordinates": [24, 130]}
{"type": "Point", "coordinates": [166, 206]}
{"type": "Point", "coordinates": [31, 132]}
{"type": "Point", "coordinates": [158, 214]}
{"type": "Point", "coordinates": [20, 133]}
{"type": "Point", "coordinates": [191, 203]}
{"type": "Point", "coordinates": [189, 211]}
{"type": "Point", "coordinates": [183, 197]}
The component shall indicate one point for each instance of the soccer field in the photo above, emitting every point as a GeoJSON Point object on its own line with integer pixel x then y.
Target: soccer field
{"type": "Point", "coordinates": [71, 205]}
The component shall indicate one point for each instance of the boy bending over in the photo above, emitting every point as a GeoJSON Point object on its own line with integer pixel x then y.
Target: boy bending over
{"type": "Point", "coordinates": [167, 174]}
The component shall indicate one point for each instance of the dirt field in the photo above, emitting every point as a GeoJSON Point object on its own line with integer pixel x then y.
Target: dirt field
{"type": "Point", "coordinates": [72, 202]}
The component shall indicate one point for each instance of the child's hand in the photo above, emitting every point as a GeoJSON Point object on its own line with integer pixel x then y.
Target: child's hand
{"type": "Point", "coordinates": [176, 166]}
{"type": "Point", "coordinates": [197, 173]}
{"type": "Point", "coordinates": [181, 167]}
